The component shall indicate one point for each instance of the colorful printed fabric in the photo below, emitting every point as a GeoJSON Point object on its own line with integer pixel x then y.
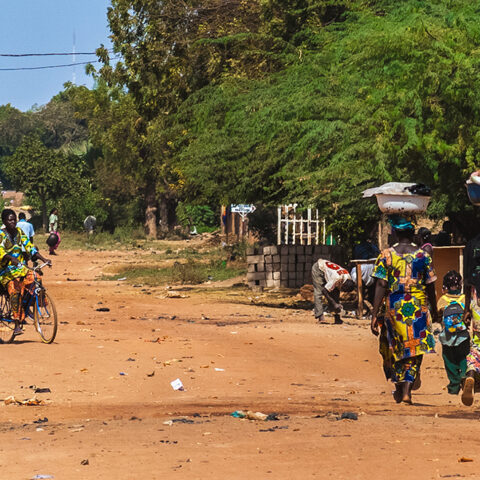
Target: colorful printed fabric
{"type": "Point", "coordinates": [473, 358]}
{"type": "Point", "coordinates": [406, 370]}
{"type": "Point", "coordinates": [16, 289]}
{"type": "Point", "coordinates": [407, 318]}
{"type": "Point", "coordinates": [14, 247]}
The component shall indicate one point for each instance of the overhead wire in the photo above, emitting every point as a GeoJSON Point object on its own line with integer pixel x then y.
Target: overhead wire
{"type": "Point", "coordinates": [44, 67]}
{"type": "Point", "coordinates": [48, 54]}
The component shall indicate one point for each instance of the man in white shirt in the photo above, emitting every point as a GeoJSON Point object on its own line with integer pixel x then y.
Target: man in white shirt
{"type": "Point", "coordinates": [328, 279]}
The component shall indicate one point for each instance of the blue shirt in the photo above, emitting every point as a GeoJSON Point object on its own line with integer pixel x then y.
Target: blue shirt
{"type": "Point", "coordinates": [26, 227]}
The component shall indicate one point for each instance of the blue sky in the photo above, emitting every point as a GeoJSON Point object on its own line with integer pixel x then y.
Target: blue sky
{"type": "Point", "coordinates": [33, 26]}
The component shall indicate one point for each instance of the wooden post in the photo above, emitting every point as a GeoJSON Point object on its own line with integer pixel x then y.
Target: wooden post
{"type": "Point", "coordinates": [358, 266]}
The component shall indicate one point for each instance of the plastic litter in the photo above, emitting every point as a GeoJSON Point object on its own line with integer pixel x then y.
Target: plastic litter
{"type": "Point", "coordinates": [42, 477]}
{"type": "Point", "coordinates": [348, 416]}
{"type": "Point", "coordinates": [28, 402]}
{"type": "Point", "coordinates": [102, 309]}
{"type": "Point", "coordinates": [177, 384]}
{"type": "Point", "coordinates": [238, 414]}
{"type": "Point", "coordinates": [250, 415]}
{"type": "Point", "coordinates": [219, 369]}
{"type": "Point", "coordinates": [123, 374]}
{"type": "Point", "coordinates": [43, 390]}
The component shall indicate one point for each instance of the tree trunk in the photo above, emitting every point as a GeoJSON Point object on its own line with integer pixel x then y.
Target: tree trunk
{"type": "Point", "coordinates": [163, 213]}
{"type": "Point", "coordinates": [43, 200]}
{"type": "Point", "coordinates": [151, 211]}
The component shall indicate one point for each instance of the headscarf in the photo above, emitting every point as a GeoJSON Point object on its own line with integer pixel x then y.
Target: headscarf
{"type": "Point", "coordinates": [400, 223]}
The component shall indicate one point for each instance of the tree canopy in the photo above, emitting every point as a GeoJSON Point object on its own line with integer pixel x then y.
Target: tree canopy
{"type": "Point", "coordinates": [270, 101]}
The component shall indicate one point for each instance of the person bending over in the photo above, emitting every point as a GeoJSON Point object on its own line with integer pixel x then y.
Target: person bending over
{"type": "Point", "coordinates": [14, 276]}
{"type": "Point", "coordinates": [328, 279]}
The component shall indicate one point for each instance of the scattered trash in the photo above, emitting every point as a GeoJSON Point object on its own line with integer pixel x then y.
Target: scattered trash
{"type": "Point", "coordinates": [182, 420]}
{"type": "Point", "coordinates": [177, 384]}
{"type": "Point", "coordinates": [41, 420]}
{"type": "Point", "coordinates": [205, 317]}
{"type": "Point", "coordinates": [174, 294]}
{"type": "Point", "coordinates": [28, 402]}
{"type": "Point", "coordinates": [85, 462]}
{"type": "Point", "coordinates": [169, 362]}
{"type": "Point", "coordinates": [465, 459]}
{"type": "Point", "coordinates": [219, 369]}
{"type": "Point", "coordinates": [102, 309]}
{"type": "Point", "coordinates": [135, 418]}
{"type": "Point", "coordinates": [272, 429]}
{"type": "Point", "coordinates": [250, 415]}
{"type": "Point", "coordinates": [123, 374]}
{"type": "Point", "coordinates": [238, 414]}
{"type": "Point", "coordinates": [151, 374]}
{"type": "Point", "coordinates": [348, 416]}
{"type": "Point", "coordinates": [168, 422]}
{"type": "Point", "coordinates": [42, 477]}
{"type": "Point", "coordinates": [121, 279]}
{"type": "Point", "coordinates": [131, 360]}
{"type": "Point", "coordinates": [43, 390]}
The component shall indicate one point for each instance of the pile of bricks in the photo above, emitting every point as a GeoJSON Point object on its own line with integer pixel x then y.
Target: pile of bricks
{"type": "Point", "coordinates": [287, 266]}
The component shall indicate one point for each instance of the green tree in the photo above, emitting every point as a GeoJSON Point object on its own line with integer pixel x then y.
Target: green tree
{"type": "Point", "coordinates": [37, 170]}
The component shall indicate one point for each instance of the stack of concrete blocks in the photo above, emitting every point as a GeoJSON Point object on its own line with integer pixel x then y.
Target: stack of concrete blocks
{"type": "Point", "coordinates": [288, 266]}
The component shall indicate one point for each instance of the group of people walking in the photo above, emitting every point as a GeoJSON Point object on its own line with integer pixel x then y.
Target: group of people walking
{"type": "Point", "coordinates": [405, 307]}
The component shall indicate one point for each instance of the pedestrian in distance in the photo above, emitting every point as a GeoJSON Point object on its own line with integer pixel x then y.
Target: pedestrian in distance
{"type": "Point", "coordinates": [53, 240]}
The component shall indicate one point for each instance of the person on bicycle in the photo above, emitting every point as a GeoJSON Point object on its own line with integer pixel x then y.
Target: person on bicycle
{"type": "Point", "coordinates": [15, 277]}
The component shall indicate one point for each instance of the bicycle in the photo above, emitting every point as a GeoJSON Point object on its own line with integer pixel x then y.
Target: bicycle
{"type": "Point", "coordinates": [39, 311]}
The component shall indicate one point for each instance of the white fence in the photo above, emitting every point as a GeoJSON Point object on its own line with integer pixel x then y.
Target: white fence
{"type": "Point", "coordinates": [295, 228]}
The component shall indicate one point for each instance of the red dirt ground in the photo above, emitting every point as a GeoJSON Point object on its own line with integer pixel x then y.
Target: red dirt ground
{"type": "Point", "coordinates": [273, 360]}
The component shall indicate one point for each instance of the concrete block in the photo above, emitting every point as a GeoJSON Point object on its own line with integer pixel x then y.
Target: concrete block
{"type": "Point", "coordinates": [276, 258]}
{"type": "Point", "coordinates": [284, 275]}
{"type": "Point", "coordinates": [301, 258]}
{"type": "Point", "coordinates": [300, 250]}
{"type": "Point", "coordinates": [251, 268]}
{"type": "Point", "coordinates": [284, 250]}
{"type": "Point", "coordinates": [276, 275]}
{"type": "Point", "coordinates": [268, 259]}
{"type": "Point", "coordinates": [255, 276]}
{"type": "Point", "coordinates": [270, 283]}
{"type": "Point", "coordinates": [254, 258]}
{"type": "Point", "coordinates": [300, 267]}
{"type": "Point", "coordinates": [291, 275]}
{"type": "Point", "coordinates": [269, 267]}
{"type": "Point", "coordinates": [277, 283]}
{"type": "Point", "coordinates": [291, 259]}
{"type": "Point", "coordinates": [250, 251]}
{"type": "Point", "coordinates": [260, 267]}
{"type": "Point", "coordinates": [284, 267]}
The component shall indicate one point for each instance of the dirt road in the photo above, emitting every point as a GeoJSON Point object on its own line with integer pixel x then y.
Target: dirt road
{"type": "Point", "coordinates": [112, 413]}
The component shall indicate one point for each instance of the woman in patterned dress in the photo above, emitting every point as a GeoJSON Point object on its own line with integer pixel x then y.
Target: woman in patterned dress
{"type": "Point", "coordinates": [405, 276]}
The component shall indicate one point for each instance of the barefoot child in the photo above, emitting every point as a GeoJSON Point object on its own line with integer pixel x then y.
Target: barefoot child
{"type": "Point", "coordinates": [454, 337]}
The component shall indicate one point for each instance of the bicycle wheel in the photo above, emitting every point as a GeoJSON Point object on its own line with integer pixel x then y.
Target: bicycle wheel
{"type": "Point", "coordinates": [45, 316]}
{"type": "Point", "coordinates": [7, 325]}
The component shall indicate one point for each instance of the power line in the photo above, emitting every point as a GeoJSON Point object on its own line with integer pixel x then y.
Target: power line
{"type": "Point", "coordinates": [46, 54]}
{"type": "Point", "coordinates": [46, 66]}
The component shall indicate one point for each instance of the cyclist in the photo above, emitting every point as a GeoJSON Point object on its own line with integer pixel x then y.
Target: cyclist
{"type": "Point", "coordinates": [14, 276]}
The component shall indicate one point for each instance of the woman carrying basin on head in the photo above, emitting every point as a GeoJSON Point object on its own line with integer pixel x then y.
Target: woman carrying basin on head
{"type": "Point", "coordinates": [405, 278]}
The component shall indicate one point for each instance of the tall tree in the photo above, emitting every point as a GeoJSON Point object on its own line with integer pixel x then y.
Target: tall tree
{"type": "Point", "coordinates": [38, 170]}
